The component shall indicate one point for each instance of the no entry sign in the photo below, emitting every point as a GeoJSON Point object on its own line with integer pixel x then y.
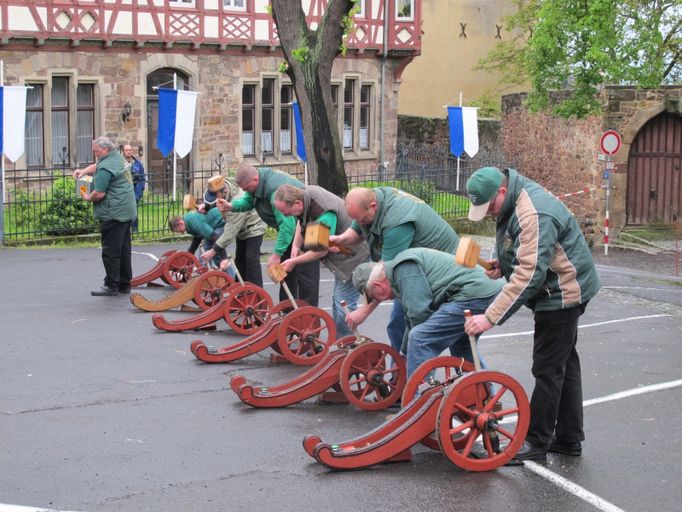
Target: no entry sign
{"type": "Point", "coordinates": [610, 142]}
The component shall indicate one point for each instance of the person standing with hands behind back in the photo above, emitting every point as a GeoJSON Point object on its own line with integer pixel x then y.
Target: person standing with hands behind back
{"type": "Point", "coordinates": [548, 267]}
{"type": "Point", "coordinates": [114, 205]}
{"type": "Point", "coordinates": [137, 171]}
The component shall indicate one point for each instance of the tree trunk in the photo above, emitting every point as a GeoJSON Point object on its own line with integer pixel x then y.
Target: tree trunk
{"type": "Point", "coordinates": [310, 55]}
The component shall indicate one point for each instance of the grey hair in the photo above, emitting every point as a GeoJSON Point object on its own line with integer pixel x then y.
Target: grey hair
{"type": "Point", "coordinates": [104, 143]}
{"type": "Point", "coordinates": [378, 273]}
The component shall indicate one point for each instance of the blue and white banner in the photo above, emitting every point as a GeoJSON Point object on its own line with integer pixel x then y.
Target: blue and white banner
{"type": "Point", "coordinates": [300, 141]}
{"type": "Point", "coordinates": [176, 121]}
{"type": "Point", "coordinates": [13, 115]}
{"type": "Point", "coordinates": [463, 124]}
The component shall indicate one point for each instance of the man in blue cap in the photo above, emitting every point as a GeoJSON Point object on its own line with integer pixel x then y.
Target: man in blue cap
{"type": "Point", "coordinates": [542, 254]}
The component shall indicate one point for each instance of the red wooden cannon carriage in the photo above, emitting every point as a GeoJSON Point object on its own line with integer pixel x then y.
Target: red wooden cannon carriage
{"type": "Point", "coordinates": [301, 334]}
{"type": "Point", "coordinates": [369, 375]}
{"type": "Point", "coordinates": [460, 415]}
{"type": "Point", "coordinates": [174, 268]}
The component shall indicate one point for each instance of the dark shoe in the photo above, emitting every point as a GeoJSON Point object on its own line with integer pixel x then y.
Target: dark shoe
{"type": "Point", "coordinates": [124, 289]}
{"type": "Point", "coordinates": [104, 291]}
{"type": "Point", "coordinates": [531, 452]}
{"type": "Point", "coordinates": [556, 446]}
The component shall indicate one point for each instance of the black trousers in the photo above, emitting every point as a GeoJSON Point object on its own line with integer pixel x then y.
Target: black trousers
{"type": "Point", "coordinates": [116, 248]}
{"type": "Point", "coordinates": [303, 282]}
{"type": "Point", "coordinates": [247, 259]}
{"type": "Point", "coordinates": [556, 405]}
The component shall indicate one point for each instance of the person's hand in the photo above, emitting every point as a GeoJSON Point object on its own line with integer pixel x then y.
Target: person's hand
{"type": "Point", "coordinates": [274, 260]}
{"type": "Point", "coordinates": [289, 265]}
{"type": "Point", "coordinates": [495, 271]}
{"type": "Point", "coordinates": [295, 251]}
{"type": "Point", "coordinates": [227, 262]}
{"type": "Point", "coordinates": [207, 255]}
{"type": "Point", "coordinates": [78, 173]}
{"type": "Point", "coordinates": [201, 208]}
{"type": "Point", "coordinates": [223, 205]}
{"type": "Point", "coordinates": [85, 196]}
{"type": "Point", "coordinates": [355, 318]}
{"type": "Point", "coordinates": [476, 325]}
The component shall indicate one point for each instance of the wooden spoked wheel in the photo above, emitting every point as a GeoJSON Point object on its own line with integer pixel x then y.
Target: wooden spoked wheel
{"type": "Point", "coordinates": [246, 308]}
{"type": "Point", "coordinates": [179, 268]}
{"type": "Point", "coordinates": [434, 372]}
{"type": "Point", "coordinates": [373, 376]}
{"type": "Point", "coordinates": [210, 288]}
{"type": "Point", "coordinates": [279, 311]}
{"type": "Point", "coordinates": [305, 335]}
{"type": "Point", "coordinates": [468, 406]}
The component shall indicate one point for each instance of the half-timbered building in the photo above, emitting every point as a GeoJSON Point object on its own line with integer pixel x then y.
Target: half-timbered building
{"type": "Point", "coordinates": [95, 67]}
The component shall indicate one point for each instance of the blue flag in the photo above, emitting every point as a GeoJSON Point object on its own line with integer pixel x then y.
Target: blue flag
{"type": "Point", "coordinates": [463, 125]}
{"type": "Point", "coordinates": [300, 141]}
{"type": "Point", "coordinates": [176, 121]}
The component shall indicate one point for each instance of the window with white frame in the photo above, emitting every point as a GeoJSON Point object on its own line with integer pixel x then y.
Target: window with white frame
{"type": "Point", "coordinates": [85, 123]}
{"type": "Point", "coordinates": [60, 120]}
{"type": "Point", "coordinates": [404, 10]}
{"type": "Point", "coordinates": [181, 3]}
{"type": "Point", "coordinates": [235, 5]}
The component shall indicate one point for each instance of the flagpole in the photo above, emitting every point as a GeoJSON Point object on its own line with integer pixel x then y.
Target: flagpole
{"type": "Point", "coordinates": [2, 166]}
{"type": "Point", "coordinates": [457, 185]}
{"type": "Point", "coordinates": [175, 159]}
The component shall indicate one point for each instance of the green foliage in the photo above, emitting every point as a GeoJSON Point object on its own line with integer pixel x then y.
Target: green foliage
{"type": "Point", "coordinates": [21, 210]}
{"type": "Point", "coordinates": [268, 9]}
{"type": "Point", "coordinates": [283, 67]}
{"type": "Point", "coordinates": [582, 46]}
{"type": "Point", "coordinates": [301, 54]}
{"type": "Point", "coordinates": [489, 106]}
{"type": "Point", "coordinates": [66, 213]}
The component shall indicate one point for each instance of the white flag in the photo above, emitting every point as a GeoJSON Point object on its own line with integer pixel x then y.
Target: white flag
{"type": "Point", "coordinates": [13, 121]}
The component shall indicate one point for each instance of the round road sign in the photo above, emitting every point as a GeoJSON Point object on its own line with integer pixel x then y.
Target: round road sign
{"type": "Point", "coordinates": [610, 142]}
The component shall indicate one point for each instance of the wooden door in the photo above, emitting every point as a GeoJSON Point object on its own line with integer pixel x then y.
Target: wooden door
{"type": "Point", "coordinates": [654, 192]}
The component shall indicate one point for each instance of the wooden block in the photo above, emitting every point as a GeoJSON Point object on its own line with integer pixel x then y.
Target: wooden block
{"type": "Point", "coordinates": [189, 202]}
{"type": "Point", "coordinates": [467, 252]}
{"type": "Point", "coordinates": [277, 273]}
{"type": "Point", "coordinates": [216, 183]}
{"type": "Point", "coordinates": [316, 237]}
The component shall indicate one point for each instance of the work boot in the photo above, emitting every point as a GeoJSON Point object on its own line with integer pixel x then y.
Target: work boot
{"type": "Point", "coordinates": [104, 291]}
{"type": "Point", "coordinates": [573, 449]}
{"type": "Point", "coordinates": [531, 452]}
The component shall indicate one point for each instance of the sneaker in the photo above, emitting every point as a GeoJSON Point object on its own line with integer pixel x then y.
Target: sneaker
{"type": "Point", "coordinates": [573, 449]}
{"type": "Point", "coordinates": [104, 291]}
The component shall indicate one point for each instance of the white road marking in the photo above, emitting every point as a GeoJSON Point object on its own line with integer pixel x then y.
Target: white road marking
{"type": "Point", "coordinates": [143, 254]}
{"type": "Point", "coordinates": [596, 324]}
{"type": "Point", "coordinates": [633, 392]}
{"type": "Point", "coordinates": [572, 488]}
{"type": "Point", "coordinates": [642, 288]}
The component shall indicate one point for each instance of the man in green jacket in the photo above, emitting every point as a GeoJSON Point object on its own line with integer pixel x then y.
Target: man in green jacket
{"type": "Point", "coordinates": [244, 228]}
{"type": "Point", "coordinates": [114, 206]}
{"type": "Point", "coordinates": [391, 221]}
{"type": "Point", "coordinates": [259, 186]}
{"type": "Point", "coordinates": [434, 292]}
{"type": "Point", "coordinates": [202, 226]}
{"type": "Point", "coordinates": [542, 254]}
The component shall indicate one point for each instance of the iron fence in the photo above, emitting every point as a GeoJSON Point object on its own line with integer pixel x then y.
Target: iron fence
{"type": "Point", "coordinates": [43, 203]}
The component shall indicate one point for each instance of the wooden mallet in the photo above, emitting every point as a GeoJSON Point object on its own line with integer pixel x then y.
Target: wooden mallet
{"type": "Point", "coordinates": [469, 254]}
{"type": "Point", "coordinates": [278, 275]}
{"type": "Point", "coordinates": [317, 239]}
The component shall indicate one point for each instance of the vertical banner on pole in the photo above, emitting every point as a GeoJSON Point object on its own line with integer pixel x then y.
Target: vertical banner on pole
{"type": "Point", "coordinates": [177, 110]}
{"type": "Point", "coordinates": [300, 140]}
{"type": "Point", "coordinates": [463, 124]}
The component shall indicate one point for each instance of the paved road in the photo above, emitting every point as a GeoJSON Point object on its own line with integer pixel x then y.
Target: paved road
{"type": "Point", "coordinates": [99, 411]}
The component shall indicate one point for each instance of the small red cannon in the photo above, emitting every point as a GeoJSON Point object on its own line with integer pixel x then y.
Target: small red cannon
{"type": "Point", "coordinates": [206, 290]}
{"type": "Point", "coordinates": [462, 409]}
{"type": "Point", "coordinates": [371, 376]}
{"type": "Point", "coordinates": [301, 334]}
{"type": "Point", "coordinates": [174, 268]}
{"type": "Point", "coordinates": [470, 428]}
{"type": "Point", "coordinates": [245, 309]}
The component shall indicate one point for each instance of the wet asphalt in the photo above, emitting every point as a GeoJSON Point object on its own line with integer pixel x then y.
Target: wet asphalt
{"type": "Point", "coordinates": [100, 411]}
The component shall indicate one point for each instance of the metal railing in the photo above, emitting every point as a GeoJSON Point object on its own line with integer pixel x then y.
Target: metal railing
{"type": "Point", "coordinates": [43, 203]}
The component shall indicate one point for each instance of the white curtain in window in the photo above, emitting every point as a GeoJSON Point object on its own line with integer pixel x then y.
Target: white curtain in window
{"type": "Point", "coordinates": [285, 141]}
{"type": "Point", "coordinates": [247, 143]}
{"type": "Point", "coordinates": [364, 143]}
{"type": "Point", "coordinates": [84, 136]}
{"type": "Point", "coordinates": [60, 137]}
{"type": "Point", "coordinates": [347, 137]}
{"type": "Point", "coordinates": [266, 141]}
{"type": "Point", "coordinates": [34, 138]}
